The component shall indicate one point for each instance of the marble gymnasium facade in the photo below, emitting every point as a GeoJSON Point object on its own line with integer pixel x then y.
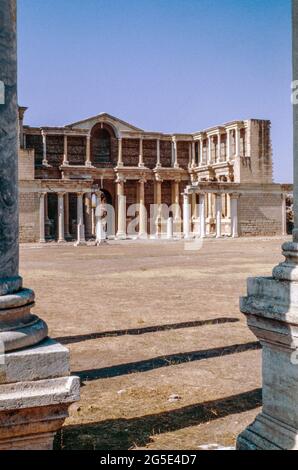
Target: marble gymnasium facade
{"type": "Point", "coordinates": [217, 182]}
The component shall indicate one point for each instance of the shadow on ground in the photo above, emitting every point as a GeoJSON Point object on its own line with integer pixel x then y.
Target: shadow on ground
{"type": "Point", "coordinates": [124, 434]}
{"type": "Point", "coordinates": [164, 361]}
{"type": "Point", "coordinates": [142, 331]}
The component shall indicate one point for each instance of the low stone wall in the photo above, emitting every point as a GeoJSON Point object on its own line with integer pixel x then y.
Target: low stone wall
{"type": "Point", "coordinates": [260, 214]}
{"type": "Point", "coordinates": [29, 217]}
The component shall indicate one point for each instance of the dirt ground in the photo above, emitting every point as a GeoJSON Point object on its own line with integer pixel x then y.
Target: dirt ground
{"type": "Point", "coordinates": [155, 334]}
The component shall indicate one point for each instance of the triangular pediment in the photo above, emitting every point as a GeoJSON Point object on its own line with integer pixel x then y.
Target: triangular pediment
{"type": "Point", "coordinates": [119, 124]}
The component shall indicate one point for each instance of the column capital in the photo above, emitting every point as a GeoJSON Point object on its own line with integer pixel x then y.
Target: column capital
{"type": "Point", "coordinates": [120, 179]}
{"type": "Point", "coordinates": [142, 179]}
{"type": "Point", "coordinates": [234, 195]}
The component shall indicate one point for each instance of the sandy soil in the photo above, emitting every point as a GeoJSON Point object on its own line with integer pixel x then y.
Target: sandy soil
{"type": "Point", "coordinates": [155, 333]}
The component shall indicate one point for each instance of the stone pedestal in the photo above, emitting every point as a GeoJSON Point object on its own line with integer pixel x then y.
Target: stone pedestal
{"type": "Point", "coordinates": [35, 393]}
{"type": "Point", "coordinates": [271, 307]}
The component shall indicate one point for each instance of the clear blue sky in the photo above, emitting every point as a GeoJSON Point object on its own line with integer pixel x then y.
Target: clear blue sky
{"type": "Point", "coordinates": [167, 65]}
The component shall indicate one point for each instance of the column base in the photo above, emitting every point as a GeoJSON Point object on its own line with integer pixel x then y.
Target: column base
{"type": "Point", "coordinates": [267, 433]}
{"type": "Point", "coordinates": [121, 236]}
{"type": "Point", "coordinates": [80, 243]}
{"type": "Point", "coordinates": [35, 393]}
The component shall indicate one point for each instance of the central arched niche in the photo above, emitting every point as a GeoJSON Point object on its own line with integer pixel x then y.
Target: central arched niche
{"type": "Point", "coordinates": [101, 143]}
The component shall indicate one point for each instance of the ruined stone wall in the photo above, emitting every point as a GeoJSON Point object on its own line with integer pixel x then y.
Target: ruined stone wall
{"type": "Point", "coordinates": [130, 152]}
{"type": "Point", "coordinates": [183, 154]}
{"type": "Point", "coordinates": [256, 161]}
{"type": "Point", "coordinates": [28, 217]}
{"type": "Point", "coordinates": [26, 164]}
{"type": "Point", "coordinates": [55, 150]}
{"type": "Point", "coordinates": [76, 149]}
{"type": "Point", "coordinates": [166, 153]}
{"type": "Point", "coordinates": [150, 153]}
{"type": "Point", "coordinates": [260, 214]}
{"type": "Point", "coordinates": [35, 142]}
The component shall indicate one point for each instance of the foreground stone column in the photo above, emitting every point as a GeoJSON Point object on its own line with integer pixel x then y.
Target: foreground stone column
{"type": "Point", "coordinates": [35, 386]}
{"type": "Point", "coordinates": [271, 308]}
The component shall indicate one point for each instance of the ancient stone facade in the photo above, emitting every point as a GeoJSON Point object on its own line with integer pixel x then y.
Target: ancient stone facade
{"type": "Point", "coordinates": [59, 167]}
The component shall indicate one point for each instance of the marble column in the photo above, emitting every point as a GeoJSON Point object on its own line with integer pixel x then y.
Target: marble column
{"type": "Point", "coordinates": [170, 228]}
{"type": "Point", "coordinates": [175, 154]}
{"type": "Point", "coordinates": [176, 207]}
{"type": "Point", "coordinates": [120, 160]}
{"type": "Point", "coordinates": [202, 202]}
{"type": "Point", "coordinates": [142, 210]}
{"type": "Point", "coordinates": [65, 152]}
{"type": "Point", "coordinates": [157, 212]}
{"type": "Point", "coordinates": [193, 155]}
{"type": "Point", "coordinates": [234, 215]}
{"type": "Point", "coordinates": [158, 161]}
{"type": "Point", "coordinates": [121, 213]}
{"type": "Point", "coordinates": [88, 151]}
{"type": "Point", "coordinates": [186, 216]}
{"type": "Point", "coordinates": [237, 142]}
{"type": "Point", "coordinates": [100, 234]}
{"type": "Point", "coordinates": [209, 150]}
{"type": "Point", "coordinates": [201, 162]}
{"type": "Point", "coordinates": [66, 216]}
{"type": "Point", "coordinates": [218, 205]}
{"type": "Point", "coordinates": [35, 387]}
{"type": "Point", "coordinates": [141, 156]}
{"type": "Point", "coordinates": [228, 157]}
{"type": "Point", "coordinates": [44, 149]}
{"type": "Point", "coordinates": [218, 158]}
{"type": "Point", "coordinates": [80, 221]}
{"type": "Point", "coordinates": [42, 235]}
{"type": "Point", "coordinates": [61, 236]}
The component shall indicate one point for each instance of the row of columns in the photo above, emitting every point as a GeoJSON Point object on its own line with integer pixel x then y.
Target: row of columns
{"type": "Point", "coordinates": [175, 163]}
{"type": "Point", "coordinates": [208, 159]}
{"type": "Point", "coordinates": [63, 213]}
{"type": "Point", "coordinates": [218, 214]}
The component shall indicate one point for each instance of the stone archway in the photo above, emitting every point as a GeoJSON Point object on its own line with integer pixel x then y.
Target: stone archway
{"type": "Point", "coordinates": [102, 138]}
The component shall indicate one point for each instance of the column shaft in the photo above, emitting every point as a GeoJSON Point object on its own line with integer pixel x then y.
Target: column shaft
{"type": "Point", "coordinates": [66, 215]}
{"type": "Point", "coordinates": [88, 150]}
{"type": "Point", "coordinates": [158, 162]}
{"type": "Point", "coordinates": [142, 211]}
{"type": "Point", "coordinates": [234, 216]}
{"type": "Point", "coordinates": [228, 146]}
{"type": "Point", "coordinates": [176, 204]}
{"type": "Point", "coordinates": [141, 156]}
{"type": "Point", "coordinates": [44, 148]}
{"type": "Point", "coordinates": [42, 237]}
{"type": "Point", "coordinates": [120, 161]}
{"type": "Point", "coordinates": [61, 218]}
{"type": "Point", "coordinates": [65, 154]}
{"type": "Point", "coordinates": [186, 216]}
{"type": "Point", "coordinates": [121, 232]}
{"type": "Point", "coordinates": [80, 221]}
{"type": "Point", "coordinates": [218, 215]}
{"type": "Point", "coordinates": [202, 215]}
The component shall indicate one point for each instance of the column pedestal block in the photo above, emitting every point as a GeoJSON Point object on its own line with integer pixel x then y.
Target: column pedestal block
{"type": "Point", "coordinates": [271, 308]}
{"type": "Point", "coordinates": [35, 393]}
